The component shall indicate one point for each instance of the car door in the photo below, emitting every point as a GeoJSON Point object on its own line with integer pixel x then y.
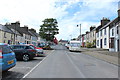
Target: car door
{"type": "Point", "coordinates": [8, 56]}
{"type": "Point", "coordinates": [19, 50]}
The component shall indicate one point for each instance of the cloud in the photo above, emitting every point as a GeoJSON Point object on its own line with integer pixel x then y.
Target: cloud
{"type": "Point", "coordinates": [69, 13]}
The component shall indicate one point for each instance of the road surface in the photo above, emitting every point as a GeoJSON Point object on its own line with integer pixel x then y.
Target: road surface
{"type": "Point", "coordinates": [64, 64]}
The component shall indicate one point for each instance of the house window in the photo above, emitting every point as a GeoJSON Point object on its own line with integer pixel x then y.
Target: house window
{"type": "Point", "coordinates": [101, 32]}
{"type": "Point", "coordinates": [97, 42]}
{"type": "Point", "coordinates": [4, 34]}
{"type": "Point", "coordinates": [105, 41]}
{"type": "Point", "coordinates": [117, 30]}
{"type": "Point", "coordinates": [11, 37]}
{"type": "Point", "coordinates": [105, 31]}
{"type": "Point", "coordinates": [98, 34]}
{"type": "Point", "coordinates": [112, 32]}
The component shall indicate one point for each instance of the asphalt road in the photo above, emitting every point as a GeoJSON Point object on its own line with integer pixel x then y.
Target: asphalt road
{"type": "Point", "coordinates": [64, 64]}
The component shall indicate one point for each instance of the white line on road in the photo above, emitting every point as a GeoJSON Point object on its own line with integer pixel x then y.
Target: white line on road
{"type": "Point", "coordinates": [37, 65]}
{"type": "Point", "coordinates": [75, 66]}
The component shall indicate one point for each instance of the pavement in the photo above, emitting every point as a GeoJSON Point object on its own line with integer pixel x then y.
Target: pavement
{"type": "Point", "coordinates": [111, 57]}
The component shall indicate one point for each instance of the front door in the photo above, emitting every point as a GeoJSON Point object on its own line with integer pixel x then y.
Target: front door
{"type": "Point", "coordinates": [118, 45]}
{"type": "Point", "coordinates": [101, 43]}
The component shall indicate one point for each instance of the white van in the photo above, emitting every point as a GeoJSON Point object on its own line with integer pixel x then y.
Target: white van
{"type": "Point", "coordinates": [74, 46]}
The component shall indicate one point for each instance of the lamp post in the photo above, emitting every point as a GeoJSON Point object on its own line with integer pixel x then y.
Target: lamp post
{"type": "Point", "coordinates": [80, 31]}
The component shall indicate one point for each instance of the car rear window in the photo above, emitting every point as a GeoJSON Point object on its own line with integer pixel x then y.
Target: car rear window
{"type": "Point", "coordinates": [5, 49]}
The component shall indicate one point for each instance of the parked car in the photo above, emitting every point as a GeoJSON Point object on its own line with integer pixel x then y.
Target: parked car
{"type": "Point", "coordinates": [67, 45]}
{"type": "Point", "coordinates": [24, 52]}
{"type": "Point", "coordinates": [7, 57]}
{"type": "Point", "coordinates": [41, 45]}
{"type": "Point", "coordinates": [39, 50]}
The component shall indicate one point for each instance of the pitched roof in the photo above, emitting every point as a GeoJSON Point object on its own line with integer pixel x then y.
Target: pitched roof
{"type": "Point", "coordinates": [110, 24]}
{"type": "Point", "coordinates": [32, 33]}
{"type": "Point", "coordinates": [18, 31]}
{"type": "Point", "coordinates": [6, 29]}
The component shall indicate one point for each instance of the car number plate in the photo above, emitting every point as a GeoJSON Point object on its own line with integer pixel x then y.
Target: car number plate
{"type": "Point", "coordinates": [10, 62]}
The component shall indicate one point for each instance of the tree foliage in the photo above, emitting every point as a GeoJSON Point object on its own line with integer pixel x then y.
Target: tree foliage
{"type": "Point", "coordinates": [49, 29]}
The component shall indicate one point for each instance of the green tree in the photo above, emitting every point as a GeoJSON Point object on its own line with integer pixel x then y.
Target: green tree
{"type": "Point", "coordinates": [49, 29]}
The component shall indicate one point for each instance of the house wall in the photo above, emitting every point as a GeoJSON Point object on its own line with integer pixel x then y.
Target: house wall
{"type": "Point", "coordinates": [1, 36]}
{"type": "Point", "coordinates": [119, 36]}
{"type": "Point", "coordinates": [34, 40]}
{"type": "Point", "coordinates": [98, 39]}
{"type": "Point", "coordinates": [92, 36]}
{"type": "Point", "coordinates": [6, 37]}
{"type": "Point", "coordinates": [116, 37]}
{"type": "Point", "coordinates": [19, 39]}
{"type": "Point", "coordinates": [27, 38]}
{"type": "Point", "coordinates": [105, 36]}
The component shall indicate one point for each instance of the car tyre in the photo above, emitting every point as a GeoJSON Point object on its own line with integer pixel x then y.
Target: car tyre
{"type": "Point", "coordinates": [26, 57]}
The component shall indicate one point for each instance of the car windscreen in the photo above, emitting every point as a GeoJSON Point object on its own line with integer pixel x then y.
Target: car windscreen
{"type": "Point", "coordinates": [17, 47]}
{"type": "Point", "coordinates": [5, 49]}
{"type": "Point", "coordinates": [32, 46]}
{"type": "Point", "coordinates": [75, 44]}
{"type": "Point", "coordinates": [29, 47]}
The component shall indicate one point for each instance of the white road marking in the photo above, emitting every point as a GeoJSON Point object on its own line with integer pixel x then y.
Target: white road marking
{"type": "Point", "coordinates": [75, 66]}
{"type": "Point", "coordinates": [36, 65]}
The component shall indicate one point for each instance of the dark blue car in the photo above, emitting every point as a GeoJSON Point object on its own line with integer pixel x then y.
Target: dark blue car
{"type": "Point", "coordinates": [7, 57]}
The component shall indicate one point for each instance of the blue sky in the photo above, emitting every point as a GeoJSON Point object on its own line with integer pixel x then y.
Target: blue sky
{"type": "Point", "coordinates": [69, 13]}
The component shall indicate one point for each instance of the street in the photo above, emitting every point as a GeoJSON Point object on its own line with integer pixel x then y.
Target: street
{"type": "Point", "coordinates": [64, 64]}
{"type": "Point", "coordinates": [60, 63]}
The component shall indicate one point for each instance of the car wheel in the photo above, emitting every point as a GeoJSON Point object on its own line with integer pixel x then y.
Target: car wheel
{"type": "Point", "coordinates": [26, 57]}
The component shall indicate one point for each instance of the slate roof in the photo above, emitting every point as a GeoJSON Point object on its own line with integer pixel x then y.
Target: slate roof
{"type": "Point", "coordinates": [24, 31]}
{"type": "Point", "coordinates": [110, 24]}
{"type": "Point", "coordinates": [5, 29]}
{"type": "Point", "coordinates": [15, 28]}
{"type": "Point", "coordinates": [32, 33]}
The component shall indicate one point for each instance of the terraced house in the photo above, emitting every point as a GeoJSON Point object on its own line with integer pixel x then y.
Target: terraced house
{"type": "Point", "coordinates": [115, 34]}
{"type": "Point", "coordinates": [102, 34]}
{"type": "Point", "coordinates": [34, 37]}
{"type": "Point", "coordinates": [18, 35]}
{"type": "Point", "coordinates": [6, 35]}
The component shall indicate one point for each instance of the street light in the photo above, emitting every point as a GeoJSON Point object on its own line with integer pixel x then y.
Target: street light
{"type": "Point", "coordinates": [80, 31]}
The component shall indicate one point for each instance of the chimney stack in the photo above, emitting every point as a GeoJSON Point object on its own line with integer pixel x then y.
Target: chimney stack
{"type": "Point", "coordinates": [25, 27]}
{"type": "Point", "coordinates": [91, 28]}
{"type": "Point", "coordinates": [87, 32]}
{"type": "Point", "coordinates": [33, 30]}
{"type": "Point", "coordinates": [119, 13]}
{"type": "Point", "coordinates": [13, 25]}
{"type": "Point", "coordinates": [104, 21]}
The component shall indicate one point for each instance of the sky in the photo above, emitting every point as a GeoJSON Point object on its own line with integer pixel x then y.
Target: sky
{"type": "Point", "coordinates": [69, 14]}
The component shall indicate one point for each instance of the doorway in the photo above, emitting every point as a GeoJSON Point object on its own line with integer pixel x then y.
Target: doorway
{"type": "Point", "coordinates": [101, 43]}
{"type": "Point", "coordinates": [118, 45]}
